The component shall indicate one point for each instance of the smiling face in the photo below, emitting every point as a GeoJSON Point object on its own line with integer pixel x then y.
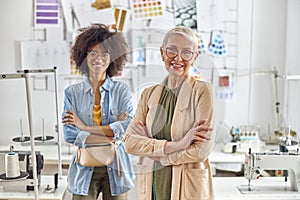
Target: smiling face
{"type": "Point", "coordinates": [98, 59]}
{"type": "Point", "coordinates": [178, 55]}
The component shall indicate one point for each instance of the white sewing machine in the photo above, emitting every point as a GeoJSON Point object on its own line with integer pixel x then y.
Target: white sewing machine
{"type": "Point", "coordinates": [255, 162]}
{"type": "Point", "coordinates": [243, 138]}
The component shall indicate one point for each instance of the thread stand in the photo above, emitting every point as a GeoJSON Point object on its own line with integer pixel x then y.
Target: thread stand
{"type": "Point", "coordinates": [44, 137]}
{"type": "Point", "coordinates": [22, 138]}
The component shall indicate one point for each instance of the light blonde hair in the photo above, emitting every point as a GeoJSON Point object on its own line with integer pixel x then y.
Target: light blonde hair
{"type": "Point", "coordinates": [186, 32]}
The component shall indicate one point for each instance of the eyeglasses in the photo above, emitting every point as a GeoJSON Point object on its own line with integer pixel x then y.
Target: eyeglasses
{"type": "Point", "coordinates": [185, 54]}
{"type": "Point", "coordinates": [95, 54]}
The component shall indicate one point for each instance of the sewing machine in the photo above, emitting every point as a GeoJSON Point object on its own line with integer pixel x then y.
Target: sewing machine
{"type": "Point", "coordinates": [255, 162]}
{"type": "Point", "coordinates": [243, 138]}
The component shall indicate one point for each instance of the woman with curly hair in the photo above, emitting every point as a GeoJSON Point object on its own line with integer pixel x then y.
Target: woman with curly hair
{"type": "Point", "coordinates": [98, 110]}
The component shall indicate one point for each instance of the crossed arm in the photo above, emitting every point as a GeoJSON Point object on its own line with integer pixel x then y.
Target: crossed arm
{"type": "Point", "coordinates": [98, 133]}
{"type": "Point", "coordinates": [196, 133]}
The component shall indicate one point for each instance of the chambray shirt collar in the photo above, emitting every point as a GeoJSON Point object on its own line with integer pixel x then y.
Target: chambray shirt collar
{"type": "Point", "coordinates": [105, 85]}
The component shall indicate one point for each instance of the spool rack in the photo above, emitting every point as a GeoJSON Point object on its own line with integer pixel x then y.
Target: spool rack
{"type": "Point", "coordinates": [25, 74]}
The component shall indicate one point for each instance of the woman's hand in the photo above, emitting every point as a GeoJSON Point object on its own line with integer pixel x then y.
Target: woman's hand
{"type": "Point", "coordinates": [140, 129]}
{"type": "Point", "coordinates": [70, 118]}
{"type": "Point", "coordinates": [197, 133]}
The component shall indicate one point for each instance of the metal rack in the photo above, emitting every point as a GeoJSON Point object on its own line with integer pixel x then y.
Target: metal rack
{"type": "Point", "coordinates": [25, 74]}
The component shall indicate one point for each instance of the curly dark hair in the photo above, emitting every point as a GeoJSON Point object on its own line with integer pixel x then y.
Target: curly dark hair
{"type": "Point", "coordinates": [111, 40]}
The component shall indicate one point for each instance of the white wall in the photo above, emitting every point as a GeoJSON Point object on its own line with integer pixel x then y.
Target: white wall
{"type": "Point", "coordinates": [275, 27]}
{"type": "Point", "coordinates": [292, 63]}
{"type": "Point", "coordinates": [269, 33]}
{"type": "Point", "coordinates": [261, 47]}
{"type": "Point", "coordinates": [17, 24]}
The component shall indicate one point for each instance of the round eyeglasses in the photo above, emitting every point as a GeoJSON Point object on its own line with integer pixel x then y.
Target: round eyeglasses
{"type": "Point", "coordinates": [185, 54]}
{"type": "Point", "coordinates": [95, 54]}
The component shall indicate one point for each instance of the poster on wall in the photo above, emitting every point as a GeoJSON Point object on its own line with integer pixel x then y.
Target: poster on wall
{"type": "Point", "coordinates": [146, 9]}
{"type": "Point", "coordinates": [224, 84]}
{"type": "Point", "coordinates": [216, 46]}
{"type": "Point", "coordinates": [186, 13]}
{"type": "Point", "coordinates": [121, 18]}
{"type": "Point", "coordinates": [46, 13]}
{"type": "Point", "coordinates": [138, 46]}
{"type": "Point", "coordinates": [84, 12]}
{"type": "Point", "coordinates": [44, 54]}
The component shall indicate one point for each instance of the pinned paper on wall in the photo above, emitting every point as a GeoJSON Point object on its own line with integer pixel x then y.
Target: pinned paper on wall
{"type": "Point", "coordinates": [146, 9]}
{"type": "Point", "coordinates": [186, 13]}
{"type": "Point", "coordinates": [216, 46]}
{"type": "Point", "coordinates": [101, 4]}
{"type": "Point", "coordinates": [37, 55]}
{"type": "Point", "coordinates": [46, 13]}
{"type": "Point", "coordinates": [121, 18]}
{"type": "Point", "coordinates": [201, 44]}
{"type": "Point", "coordinates": [84, 12]}
{"type": "Point", "coordinates": [224, 84]}
{"type": "Point", "coordinates": [138, 46]}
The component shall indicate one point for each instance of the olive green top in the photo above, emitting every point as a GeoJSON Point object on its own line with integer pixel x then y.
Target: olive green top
{"type": "Point", "coordinates": [161, 129]}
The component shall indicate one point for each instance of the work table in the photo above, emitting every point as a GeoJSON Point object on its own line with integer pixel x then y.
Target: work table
{"type": "Point", "coordinates": [42, 194]}
{"type": "Point", "coordinates": [226, 188]}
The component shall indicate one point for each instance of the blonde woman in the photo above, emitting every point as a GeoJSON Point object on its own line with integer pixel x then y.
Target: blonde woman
{"type": "Point", "coordinates": [170, 129]}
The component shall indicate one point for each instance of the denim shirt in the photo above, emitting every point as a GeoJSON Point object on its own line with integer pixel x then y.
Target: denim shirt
{"type": "Point", "coordinates": [115, 99]}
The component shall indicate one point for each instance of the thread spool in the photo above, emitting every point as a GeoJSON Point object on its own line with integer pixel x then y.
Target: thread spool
{"type": "Point", "coordinates": [12, 167]}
